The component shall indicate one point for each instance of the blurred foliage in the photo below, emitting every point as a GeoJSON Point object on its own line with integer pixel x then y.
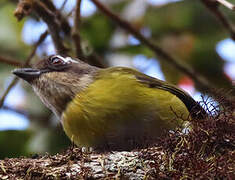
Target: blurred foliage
{"type": "Point", "coordinates": [10, 34]}
{"type": "Point", "coordinates": [14, 143]}
{"type": "Point", "coordinates": [189, 32]}
{"type": "Point", "coordinates": [97, 29]}
{"type": "Point", "coordinates": [185, 29]}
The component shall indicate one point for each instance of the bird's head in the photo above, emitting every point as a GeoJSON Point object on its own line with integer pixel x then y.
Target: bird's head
{"type": "Point", "coordinates": [57, 80]}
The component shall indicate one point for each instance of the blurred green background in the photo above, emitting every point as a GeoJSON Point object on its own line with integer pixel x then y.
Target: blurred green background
{"type": "Point", "coordinates": [185, 29]}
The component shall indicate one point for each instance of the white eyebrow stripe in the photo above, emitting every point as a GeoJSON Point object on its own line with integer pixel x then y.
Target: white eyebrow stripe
{"type": "Point", "coordinates": [71, 60]}
{"type": "Point", "coordinates": [67, 59]}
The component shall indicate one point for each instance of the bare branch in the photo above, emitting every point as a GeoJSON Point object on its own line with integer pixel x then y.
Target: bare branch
{"type": "Point", "coordinates": [71, 12]}
{"type": "Point", "coordinates": [198, 79]}
{"type": "Point", "coordinates": [40, 40]}
{"type": "Point", "coordinates": [75, 32]}
{"type": "Point", "coordinates": [226, 4]}
{"type": "Point", "coordinates": [10, 61]}
{"type": "Point", "coordinates": [63, 5]}
{"type": "Point", "coordinates": [10, 86]}
{"type": "Point", "coordinates": [95, 60]}
{"type": "Point", "coordinates": [213, 7]}
{"type": "Point", "coordinates": [15, 80]}
{"type": "Point", "coordinates": [19, 111]}
{"type": "Point", "coordinates": [64, 25]}
{"type": "Point", "coordinates": [25, 7]}
{"type": "Point", "coordinates": [53, 26]}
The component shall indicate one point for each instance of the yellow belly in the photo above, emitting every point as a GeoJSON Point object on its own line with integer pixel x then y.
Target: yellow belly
{"type": "Point", "coordinates": [112, 111]}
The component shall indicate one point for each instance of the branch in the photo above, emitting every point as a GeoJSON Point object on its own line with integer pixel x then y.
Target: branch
{"type": "Point", "coordinates": [10, 61]}
{"type": "Point", "coordinates": [64, 25]}
{"type": "Point", "coordinates": [198, 79]}
{"type": "Point", "coordinates": [15, 80]}
{"type": "Point", "coordinates": [213, 7]}
{"type": "Point", "coordinates": [226, 4]}
{"type": "Point", "coordinates": [10, 86]}
{"type": "Point", "coordinates": [53, 26]}
{"type": "Point", "coordinates": [19, 111]}
{"type": "Point", "coordinates": [25, 7]}
{"type": "Point", "coordinates": [40, 40]}
{"type": "Point", "coordinates": [75, 32]}
{"type": "Point", "coordinates": [63, 5]}
{"type": "Point", "coordinates": [74, 164]}
{"type": "Point", "coordinates": [95, 60]}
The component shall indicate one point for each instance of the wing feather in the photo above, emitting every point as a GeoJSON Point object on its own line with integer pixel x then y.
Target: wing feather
{"type": "Point", "coordinates": [194, 107]}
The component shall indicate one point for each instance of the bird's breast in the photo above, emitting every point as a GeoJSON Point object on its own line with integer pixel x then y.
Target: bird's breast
{"type": "Point", "coordinates": [125, 109]}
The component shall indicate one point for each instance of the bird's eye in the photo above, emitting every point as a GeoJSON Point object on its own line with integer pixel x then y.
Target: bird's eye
{"type": "Point", "coordinates": [56, 61]}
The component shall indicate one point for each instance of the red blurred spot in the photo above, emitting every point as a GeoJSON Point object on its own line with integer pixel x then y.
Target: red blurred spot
{"type": "Point", "coordinates": [187, 84]}
{"type": "Point", "coordinates": [185, 80]}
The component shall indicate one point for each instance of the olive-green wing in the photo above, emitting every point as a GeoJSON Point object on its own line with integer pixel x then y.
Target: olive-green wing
{"type": "Point", "coordinates": [193, 107]}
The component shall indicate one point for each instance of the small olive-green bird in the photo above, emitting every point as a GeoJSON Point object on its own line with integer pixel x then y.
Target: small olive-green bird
{"type": "Point", "coordinates": [117, 108]}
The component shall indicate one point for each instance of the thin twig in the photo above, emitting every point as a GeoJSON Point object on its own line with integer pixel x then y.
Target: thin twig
{"type": "Point", "coordinates": [77, 17]}
{"type": "Point", "coordinates": [62, 21]}
{"type": "Point", "coordinates": [49, 15]}
{"type": "Point", "coordinates": [198, 79]}
{"type": "Point", "coordinates": [50, 5]}
{"type": "Point", "coordinates": [10, 61]}
{"type": "Point", "coordinates": [42, 119]}
{"type": "Point", "coordinates": [26, 63]}
{"type": "Point", "coordinates": [53, 26]}
{"type": "Point", "coordinates": [63, 5]}
{"type": "Point", "coordinates": [19, 111]}
{"type": "Point", "coordinates": [226, 4]}
{"type": "Point", "coordinates": [95, 60]}
{"type": "Point", "coordinates": [65, 27]}
{"type": "Point", "coordinates": [10, 86]}
{"type": "Point", "coordinates": [40, 40]}
{"type": "Point", "coordinates": [213, 7]}
{"type": "Point", "coordinates": [70, 13]}
{"type": "Point", "coordinates": [76, 33]}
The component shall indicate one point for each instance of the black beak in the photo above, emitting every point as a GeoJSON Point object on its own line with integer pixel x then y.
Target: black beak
{"type": "Point", "coordinates": [28, 74]}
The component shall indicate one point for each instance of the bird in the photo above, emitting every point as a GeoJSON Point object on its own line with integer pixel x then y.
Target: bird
{"type": "Point", "coordinates": [115, 108]}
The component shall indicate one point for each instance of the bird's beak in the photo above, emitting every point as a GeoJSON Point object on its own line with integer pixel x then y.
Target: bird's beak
{"type": "Point", "coordinates": [28, 74]}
